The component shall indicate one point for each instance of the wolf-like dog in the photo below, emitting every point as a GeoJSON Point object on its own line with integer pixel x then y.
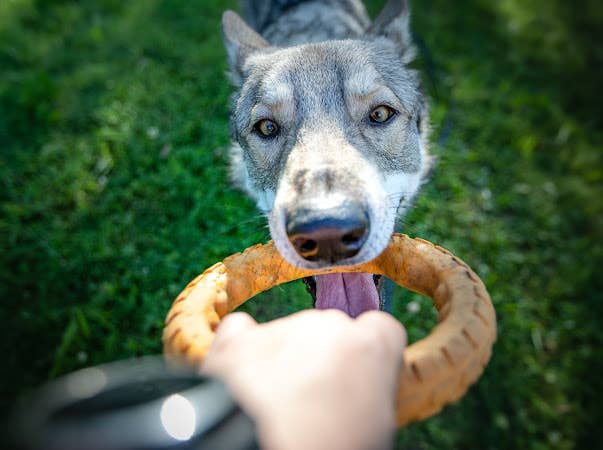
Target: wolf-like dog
{"type": "Point", "coordinates": [330, 132]}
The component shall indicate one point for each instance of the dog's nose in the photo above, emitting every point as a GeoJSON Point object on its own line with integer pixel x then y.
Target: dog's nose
{"type": "Point", "coordinates": [328, 235]}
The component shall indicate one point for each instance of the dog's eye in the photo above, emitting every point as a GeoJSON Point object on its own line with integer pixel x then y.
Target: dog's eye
{"type": "Point", "coordinates": [266, 128]}
{"type": "Point", "coordinates": [382, 114]}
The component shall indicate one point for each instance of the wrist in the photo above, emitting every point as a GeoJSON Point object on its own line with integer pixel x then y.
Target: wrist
{"type": "Point", "coordinates": [321, 428]}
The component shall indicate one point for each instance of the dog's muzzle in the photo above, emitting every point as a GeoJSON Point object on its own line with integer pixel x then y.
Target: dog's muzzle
{"type": "Point", "coordinates": [332, 232]}
{"type": "Point", "coordinates": [328, 235]}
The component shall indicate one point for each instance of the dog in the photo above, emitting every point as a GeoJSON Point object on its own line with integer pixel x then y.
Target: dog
{"type": "Point", "coordinates": [330, 133]}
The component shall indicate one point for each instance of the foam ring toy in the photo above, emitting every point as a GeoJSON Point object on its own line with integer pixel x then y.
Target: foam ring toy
{"type": "Point", "coordinates": [437, 370]}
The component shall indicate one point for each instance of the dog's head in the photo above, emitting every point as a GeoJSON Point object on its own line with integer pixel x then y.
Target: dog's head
{"type": "Point", "coordinates": [331, 137]}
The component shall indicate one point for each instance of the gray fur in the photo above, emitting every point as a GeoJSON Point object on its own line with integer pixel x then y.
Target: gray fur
{"type": "Point", "coordinates": [318, 71]}
{"type": "Point", "coordinates": [264, 14]}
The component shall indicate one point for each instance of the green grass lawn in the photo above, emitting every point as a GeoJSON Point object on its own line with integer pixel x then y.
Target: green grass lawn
{"type": "Point", "coordinates": [114, 194]}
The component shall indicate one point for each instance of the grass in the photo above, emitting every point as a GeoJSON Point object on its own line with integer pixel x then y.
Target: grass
{"type": "Point", "coordinates": [114, 193]}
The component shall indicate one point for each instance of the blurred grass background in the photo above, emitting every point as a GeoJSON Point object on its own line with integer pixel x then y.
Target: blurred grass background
{"type": "Point", "coordinates": [114, 194]}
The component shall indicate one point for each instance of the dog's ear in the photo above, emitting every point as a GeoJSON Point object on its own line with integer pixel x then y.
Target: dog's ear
{"type": "Point", "coordinates": [394, 23]}
{"type": "Point", "coordinates": [240, 41]}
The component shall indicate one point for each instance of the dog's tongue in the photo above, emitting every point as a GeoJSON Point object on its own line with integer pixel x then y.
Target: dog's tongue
{"type": "Point", "coordinates": [352, 293]}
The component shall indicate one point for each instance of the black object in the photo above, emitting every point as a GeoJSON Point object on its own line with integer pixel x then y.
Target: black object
{"type": "Point", "coordinates": [137, 404]}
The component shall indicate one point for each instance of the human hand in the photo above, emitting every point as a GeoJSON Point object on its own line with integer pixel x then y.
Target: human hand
{"type": "Point", "coordinates": [315, 379]}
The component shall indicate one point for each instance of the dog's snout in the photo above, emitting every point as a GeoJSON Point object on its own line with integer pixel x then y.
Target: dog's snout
{"type": "Point", "coordinates": [328, 235]}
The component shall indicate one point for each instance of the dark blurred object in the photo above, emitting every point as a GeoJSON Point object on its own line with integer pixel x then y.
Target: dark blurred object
{"type": "Point", "coordinates": [133, 404]}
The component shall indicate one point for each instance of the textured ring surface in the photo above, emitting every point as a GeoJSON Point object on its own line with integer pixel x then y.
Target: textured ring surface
{"type": "Point", "coordinates": [438, 369]}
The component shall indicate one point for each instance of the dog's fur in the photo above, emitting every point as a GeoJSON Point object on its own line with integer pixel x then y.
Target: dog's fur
{"type": "Point", "coordinates": [318, 69]}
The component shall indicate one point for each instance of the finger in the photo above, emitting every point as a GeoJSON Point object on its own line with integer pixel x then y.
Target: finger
{"type": "Point", "coordinates": [317, 314]}
{"type": "Point", "coordinates": [234, 324]}
{"type": "Point", "coordinates": [308, 319]}
{"type": "Point", "coordinates": [392, 335]}
{"type": "Point", "coordinates": [389, 330]}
